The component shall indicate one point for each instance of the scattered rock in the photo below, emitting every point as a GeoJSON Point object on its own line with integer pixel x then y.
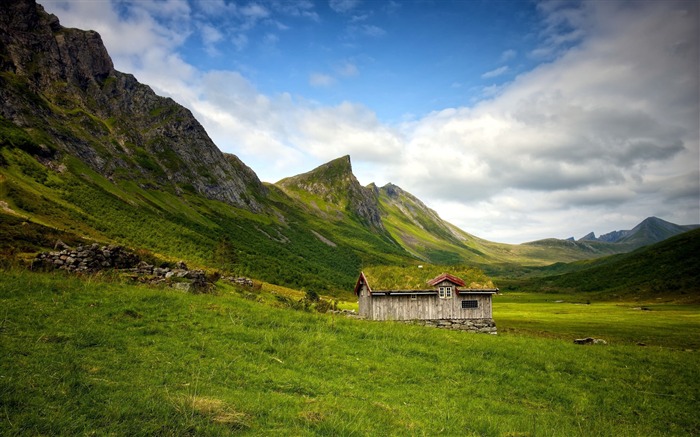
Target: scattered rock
{"type": "Point", "coordinates": [590, 340]}
{"type": "Point", "coordinates": [246, 282]}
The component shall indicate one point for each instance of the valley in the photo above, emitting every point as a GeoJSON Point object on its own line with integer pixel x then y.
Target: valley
{"type": "Point", "coordinates": [102, 356]}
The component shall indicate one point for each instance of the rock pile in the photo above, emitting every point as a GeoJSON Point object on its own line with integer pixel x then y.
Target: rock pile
{"type": "Point", "coordinates": [246, 282]}
{"type": "Point", "coordinates": [86, 258]}
{"type": "Point", "coordinates": [180, 277]}
{"type": "Point", "coordinates": [590, 340]}
{"type": "Point", "coordinates": [94, 258]}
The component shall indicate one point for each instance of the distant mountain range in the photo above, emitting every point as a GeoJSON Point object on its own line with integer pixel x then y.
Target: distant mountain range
{"type": "Point", "coordinates": [669, 269]}
{"type": "Point", "coordinates": [89, 153]}
{"type": "Point", "coordinates": [651, 230]}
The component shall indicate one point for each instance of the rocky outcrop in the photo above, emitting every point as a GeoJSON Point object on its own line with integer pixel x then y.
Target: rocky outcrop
{"type": "Point", "coordinates": [61, 83]}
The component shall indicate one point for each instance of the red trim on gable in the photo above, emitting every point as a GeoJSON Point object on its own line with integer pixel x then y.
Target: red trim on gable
{"type": "Point", "coordinates": [447, 277]}
{"type": "Point", "coordinates": [360, 281]}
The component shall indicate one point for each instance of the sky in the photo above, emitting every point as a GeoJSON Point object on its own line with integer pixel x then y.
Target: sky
{"type": "Point", "coordinates": [514, 120]}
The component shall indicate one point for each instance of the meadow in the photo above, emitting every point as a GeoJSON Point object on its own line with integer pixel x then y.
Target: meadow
{"type": "Point", "coordinates": [95, 355]}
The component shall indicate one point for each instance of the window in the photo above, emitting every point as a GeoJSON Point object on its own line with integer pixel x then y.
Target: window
{"type": "Point", "coordinates": [445, 292]}
{"type": "Point", "coordinates": [466, 304]}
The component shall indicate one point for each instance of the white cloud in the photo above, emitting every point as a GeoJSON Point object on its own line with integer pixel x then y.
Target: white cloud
{"type": "Point", "coordinates": [507, 55]}
{"type": "Point", "coordinates": [347, 69]}
{"type": "Point", "coordinates": [321, 80]}
{"type": "Point", "coordinates": [343, 6]}
{"type": "Point", "coordinates": [495, 73]}
{"type": "Point", "coordinates": [372, 30]}
{"type": "Point", "coordinates": [330, 132]}
{"type": "Point", "coordinates": [606, 127]}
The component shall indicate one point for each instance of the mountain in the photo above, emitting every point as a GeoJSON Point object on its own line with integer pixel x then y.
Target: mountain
{"type": "Point", "coordinates": [88, 153]}
{"type": "Point", "coordinates": [667, 269]}
{"type": "Point", "coordinates": [333, 190]}
{"type": "Point", "coordinates": [62, 96]}
{"type": "Point", "coordinates": [649, 231]}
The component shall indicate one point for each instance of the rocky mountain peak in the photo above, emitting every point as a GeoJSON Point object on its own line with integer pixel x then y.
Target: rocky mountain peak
{"type": "Point", "coordinates": [650, 230]}
{"type": "Point", "coordinates": [36, 46]}
{"type": "Point", "coordinates": [60, 86]}
{"type": "Point", "coordinates": [336, 184]}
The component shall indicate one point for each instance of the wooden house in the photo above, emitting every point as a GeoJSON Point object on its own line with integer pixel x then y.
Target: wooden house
{"type": "Point", "coordinates": [446, 302]}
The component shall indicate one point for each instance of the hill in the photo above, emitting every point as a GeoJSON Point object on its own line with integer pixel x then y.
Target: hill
{"type": "Point", "coordinates": [669, 269]}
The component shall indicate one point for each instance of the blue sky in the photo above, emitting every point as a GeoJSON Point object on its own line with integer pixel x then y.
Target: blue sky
{"type": "Point", "coordinates": [514, 120]}
{"type": "Point", "coordinates": [401, 59]}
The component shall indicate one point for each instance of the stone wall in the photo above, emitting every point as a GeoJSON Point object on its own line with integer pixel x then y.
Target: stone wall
{"type": "Point", "coordinates": [94, 258]}
{"type": "Point", "coordinates": [86, 258]}
{"type": "Point", "coordinates": [484, 326]}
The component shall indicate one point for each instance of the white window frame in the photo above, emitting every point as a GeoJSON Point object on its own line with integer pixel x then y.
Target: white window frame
{"type": "Point", "coordinates": [445, 292]}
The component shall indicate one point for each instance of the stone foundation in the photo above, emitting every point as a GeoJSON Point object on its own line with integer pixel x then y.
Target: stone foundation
{"type": "Point", "coordinates": [484, 326]}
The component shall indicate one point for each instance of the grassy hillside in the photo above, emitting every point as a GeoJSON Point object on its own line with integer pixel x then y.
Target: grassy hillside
{"type": "Point", "coordinates": [669, 269]}
{"type": "Point", "coordinates": [429, 238]}
{"type": "Point", "coordinates": [92, 357]}
{"type": "Point", "coordinates": [283, 245]}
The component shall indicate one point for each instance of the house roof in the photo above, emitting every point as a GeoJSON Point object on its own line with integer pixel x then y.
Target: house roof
{"type": "Point", "coordinates": [413, 279]}
{"type": "Point", "coordinates": [447, 277]}
{"type": "Point", "coordinates": [362, 280]}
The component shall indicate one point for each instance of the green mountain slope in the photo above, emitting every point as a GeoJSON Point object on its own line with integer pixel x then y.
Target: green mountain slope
{"type": "Point", "coordinates": [650, 230]}
{"type": "Point", "coordinates": [333, 192]}
{"type": "Point", "coordinates": [61, 96]}
{"type": "Point", "coordinates": [87, 150]}
{"type": "Point", "coordinates": [669, 269]}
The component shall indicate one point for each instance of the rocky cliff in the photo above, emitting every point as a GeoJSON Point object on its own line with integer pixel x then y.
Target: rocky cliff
{"type": "Point", "coordinates": [59, 85]}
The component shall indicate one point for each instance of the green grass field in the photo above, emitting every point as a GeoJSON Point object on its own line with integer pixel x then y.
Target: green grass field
{"type": "Point", "coordinates": [89, 356]}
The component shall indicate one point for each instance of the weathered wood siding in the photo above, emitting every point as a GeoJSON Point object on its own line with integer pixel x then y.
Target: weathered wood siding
{"type": "Point", "coordinates": [365, 301]}
{"type": "Point", "coordinates": [429, 307]}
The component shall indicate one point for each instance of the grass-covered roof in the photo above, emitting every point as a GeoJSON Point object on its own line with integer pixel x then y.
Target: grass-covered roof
{"type": "Point", "coordinates": [416, 278]}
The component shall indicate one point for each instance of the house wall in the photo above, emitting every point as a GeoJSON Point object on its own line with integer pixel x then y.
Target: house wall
{"type": "Point", "coordinates": [424, 307]}
{"type": "Point", "coordinates": [429, 307]}
{"type": "Point", "coordinates": [365, 302]}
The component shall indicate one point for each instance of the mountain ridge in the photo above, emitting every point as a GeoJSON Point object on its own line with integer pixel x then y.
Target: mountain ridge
{"type": "Point", "coordinates": [648, 231]}
{"type": "Point", "coordinates": [335, 185]}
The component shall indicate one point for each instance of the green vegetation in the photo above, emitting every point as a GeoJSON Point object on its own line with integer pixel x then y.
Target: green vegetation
{"type": "Point", "coordinates": [667, 270]}
{"type": "Point", "coordinates": [574, 315]}
{"type": "Point", "coordinates": [278, 246]}
{"type": "Point", "coordinates": [89, 356]}
{"type": "Point", "coordinates": [416, 277]}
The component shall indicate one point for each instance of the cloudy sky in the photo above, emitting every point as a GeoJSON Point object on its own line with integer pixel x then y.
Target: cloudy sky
{"type": "Point", "coordinates": [514, 120]}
